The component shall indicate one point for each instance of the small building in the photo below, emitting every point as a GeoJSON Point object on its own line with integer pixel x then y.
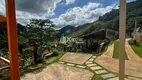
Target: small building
{"type": "Point", "coordinates": [111, 34]}
{"type": "Point", "coordinates": [137, 35]}
{"type": "Point", "coordinates": [94, 40]}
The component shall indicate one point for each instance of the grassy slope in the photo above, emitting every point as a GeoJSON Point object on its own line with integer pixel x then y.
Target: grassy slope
{"type": "Point", "coordinates": [87, 29]}
{"type": "Point", "coordinates": [116, 51]}
{"type": "Point", "coordinates": [111, 20]}
{"type": "Point", "coordinates": [137, 49]}
{"type": "Point", "coordinates": [80, 32]}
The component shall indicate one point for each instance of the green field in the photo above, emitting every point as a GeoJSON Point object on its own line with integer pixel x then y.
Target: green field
{"type": "Point", "coordinates": [116, 51]}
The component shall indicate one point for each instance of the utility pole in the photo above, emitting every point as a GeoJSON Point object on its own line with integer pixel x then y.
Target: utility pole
{"type": "Point", "coordinates": [122, 36]}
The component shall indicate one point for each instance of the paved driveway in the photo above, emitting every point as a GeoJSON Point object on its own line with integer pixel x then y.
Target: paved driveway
{"type": "Point", "coordinates": [75, 58]}
{"type": "Point", "coordinates": [132, 66]}
{"type": "Point", "coordinates": [59, 72]}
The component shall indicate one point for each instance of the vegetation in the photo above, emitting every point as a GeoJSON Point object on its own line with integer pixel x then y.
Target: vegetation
{"type": "Point", "coordinates": [137, 49]}
{"type": "Point", "coordinates": [65, 31]}
{"type": "Point", "coordinates": [116, 51]}
{"type": "Point", "coordinates": [111, 20]}
{"type": "Point", "coordinates": [43, 29]}
{"type": "Point", "coordinates": [104, 47]}
{"type": "Point", "coordinates": [37, 67]}
{"type": "Point", "coordinates": [39, 37]}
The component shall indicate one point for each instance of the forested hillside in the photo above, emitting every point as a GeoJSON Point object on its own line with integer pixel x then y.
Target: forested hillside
{"type": "Point", "coordinates": [65, 31]}
{"type": "Point", "coordinates": [69, 29]}
{"type": "Point", "coordinates": [32, 30]}
{"type": "Point", "coordinates": [111, 20]}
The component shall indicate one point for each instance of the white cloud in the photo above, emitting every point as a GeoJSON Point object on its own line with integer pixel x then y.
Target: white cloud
{"type": "Point", "coordinates": [92, 5]}
{"type": "Point", "coordinates": [130, 0]}
{"type": "Point", "coordinates": [24, 17]}
{"type": "Point", "coordinates": [69, 2]}
{"type": "Point", "coordinates": [2, 7]}
{"type": "Point", "coordinates": [28, 9]}
{"type": "Point", "coordinates": [37, 6]}
{"type": "Point", "coordinates": [81, 15]}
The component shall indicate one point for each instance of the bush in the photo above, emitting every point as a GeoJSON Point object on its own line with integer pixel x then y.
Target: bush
{"type": "Point", "coordinates": [133, 42]}
{"type": "Point", "coordinates": [55, 53]}
{"type": "Point", "coordinates": [106, 41]}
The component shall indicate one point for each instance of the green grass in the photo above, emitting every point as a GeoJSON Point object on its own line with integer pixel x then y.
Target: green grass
{"type": "Point", "coordinates": [137, 49]}
{"type": "Point", "coordinates": [97, 77]}
{"type": "Point", "coordinates": [116, 51]}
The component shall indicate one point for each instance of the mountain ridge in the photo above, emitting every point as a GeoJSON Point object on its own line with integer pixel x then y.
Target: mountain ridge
{"type": "Point", "coordinates": [110, 20]}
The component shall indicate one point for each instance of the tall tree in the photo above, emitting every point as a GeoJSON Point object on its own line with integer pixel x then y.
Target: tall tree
{"type": "Point", "coordinates": [39, 28]}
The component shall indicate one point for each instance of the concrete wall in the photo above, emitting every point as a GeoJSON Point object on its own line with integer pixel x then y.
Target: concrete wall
{"type": "Point", "coordinates": [111, 34]}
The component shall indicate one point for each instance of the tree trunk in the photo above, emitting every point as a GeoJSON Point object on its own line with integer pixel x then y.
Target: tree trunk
{"type": "Point", "coordinates": [35, 55]}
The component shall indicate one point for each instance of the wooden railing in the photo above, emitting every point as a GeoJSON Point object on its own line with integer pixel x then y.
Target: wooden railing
{"type": "Point", "coordinates": [4, 62]}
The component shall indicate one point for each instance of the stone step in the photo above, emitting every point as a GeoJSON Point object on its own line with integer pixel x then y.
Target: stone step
{"type": "Point", "coordinates": [106, 76]}
{"type": "Point", "coordinates": [61, 62]}
{"type": "Point", "coordinates": [117, 78]}
{"type": "Point", "coordinates": [70, 64]}
{"type": "Point", "coordinates": [94, 57]}
{"type": "Point", "coordinates": [133, 78]}
{"type": "Point", "coordinates": [89, 62]}
{"type": "Point", "coordinates": [96, 68]}
{"type": "Point", "coordinates": [79, 66]}
{"type": "Point", "coordinates": [91, 65]}
{"type": "Point", "coordinates": [101, 71]}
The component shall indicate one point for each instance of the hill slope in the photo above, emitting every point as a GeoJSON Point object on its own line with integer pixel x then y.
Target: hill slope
{"type": "Point", "coordinates": [111, 20]}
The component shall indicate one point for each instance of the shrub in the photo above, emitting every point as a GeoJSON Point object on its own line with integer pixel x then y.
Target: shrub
{"type": "Point", "coordinates": [106, 41]}
{"type": "Point", "coordinates": [55, 53]}
{"type": "Point", "coordinates": [133, 42]}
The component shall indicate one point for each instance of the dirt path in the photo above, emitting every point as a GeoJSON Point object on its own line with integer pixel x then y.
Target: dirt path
{"type": "Point", "coordinates": [109, 52]}
{"type": "Point", "coordinates": [132, 66]}
{"type": "Point", "coordinates": [131, 54]}
{"type": "Point", "coordinates": [75, 58]}
{"type": "Point", "coordinates": [59, 72]}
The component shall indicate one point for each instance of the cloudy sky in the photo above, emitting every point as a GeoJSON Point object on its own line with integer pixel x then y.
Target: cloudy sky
{"type": "Point", "coordinates": [62, 12]}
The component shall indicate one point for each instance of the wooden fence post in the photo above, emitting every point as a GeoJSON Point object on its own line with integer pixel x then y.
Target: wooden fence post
{"type": "Point", "coordinates": [12, 39]}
